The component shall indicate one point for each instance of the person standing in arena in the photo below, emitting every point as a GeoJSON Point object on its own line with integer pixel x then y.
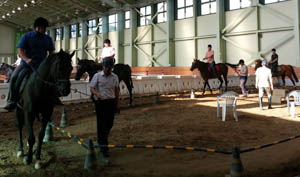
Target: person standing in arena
{"type": "Point", "coordinates": [105, 87]}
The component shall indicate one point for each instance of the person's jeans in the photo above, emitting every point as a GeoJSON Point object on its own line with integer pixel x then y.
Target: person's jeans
{"type": "Point", "coordinates": [243, 81]}
{"type": "Point", "coordinates": [212, 67]}
{"type": "Point", "coordinates": [105, 110]}
{"type": "Point", "coordinates": [15, 82]}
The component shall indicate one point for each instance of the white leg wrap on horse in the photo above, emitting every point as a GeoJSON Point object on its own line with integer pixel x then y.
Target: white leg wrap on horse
{"type": "Point", "coordinates": [20, 154]}
{"type": "Point", "coordinates": [38, 165]}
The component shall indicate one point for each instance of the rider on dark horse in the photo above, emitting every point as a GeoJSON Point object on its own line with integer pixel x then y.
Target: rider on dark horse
{"type": "Point", "coordinates": [108, 51]}
{"type": "Point", "coordinates": [33, 48]}
{"type": "Point", "coordinates": [210, 59]}
{"type": "Point", "coordinates": [273, 63]}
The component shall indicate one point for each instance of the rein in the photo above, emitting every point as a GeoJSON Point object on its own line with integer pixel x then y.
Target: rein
{"type": "Point", "coordinates": [45, 81]}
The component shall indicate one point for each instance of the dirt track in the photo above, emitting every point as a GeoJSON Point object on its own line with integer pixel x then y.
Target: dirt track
{"type": "Point", "coordinates": [178, 120]}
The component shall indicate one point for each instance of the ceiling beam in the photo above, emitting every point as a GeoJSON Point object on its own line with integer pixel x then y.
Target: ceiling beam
{"type": "Point", "coordinates": [113, 4]}
{"type": "Point", "coordinates": [90, 5]}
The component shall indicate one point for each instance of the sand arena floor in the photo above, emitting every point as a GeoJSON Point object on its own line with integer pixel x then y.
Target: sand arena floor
{"type": "Point", "coordinates": [177, 120]}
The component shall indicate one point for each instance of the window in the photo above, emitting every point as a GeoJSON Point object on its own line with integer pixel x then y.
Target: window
{"type": "Point", "coordinates": [184, 9]}
{"type": "Point", "coordinates": [73, 31]}
{"type": "Point", "coordinates": [92, 27]}
{"type": "Point", "coordinates": [80, 30]}
{"type": "Point", "coordinates": [100, 25]}
{"type": "Point", "coordinates": [238, 4]}
{"type": "Point", "coordinates": [273, 1]}
{"type": "Point", "coordinates": [146, 11]}
{"type": "Point", "coordinates": [127, 19]}
{"type": "Point", "coordinates": [113, 21]}
{"type": "Point", "coordinates": [161, 12]}
{"type": "Point", "coordinates": [58, 34]}
{"type": "Point", "coordinates": [208, 7]}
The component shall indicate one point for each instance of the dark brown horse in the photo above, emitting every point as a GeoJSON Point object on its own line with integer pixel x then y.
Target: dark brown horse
{"type": "Point", "coordinates": [91, 67]}
{"type": "Point", "coordinates": [283, 70]}
{"type": "Point", "coordinates": [221, 70]}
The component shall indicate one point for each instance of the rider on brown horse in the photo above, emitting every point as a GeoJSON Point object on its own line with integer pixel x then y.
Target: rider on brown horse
{"type": "Point", "coordinates": [210, 59]}
{"type": "Point", "coordinates": [273, 63]}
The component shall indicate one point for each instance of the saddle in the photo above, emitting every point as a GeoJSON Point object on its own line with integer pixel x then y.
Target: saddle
{"type": "Point", "coordinates": [217, 67]}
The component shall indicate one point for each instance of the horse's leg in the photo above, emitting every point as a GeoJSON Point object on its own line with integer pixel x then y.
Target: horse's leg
{"type": "Point", "coordinates": [29, 119]}
{"type": "Point", "coordinates": [20, 124]}
{"type": "Point", "coordinates": [221, 82]}
{"type": "Point", "coordinates": [204, 87]}
{"type": "Point", "coordinates": [211, 92]}
{"type": "Point", "coordinates": [291, 78]}
{"type": "Point", "coordinates": [226, 82]}
{"type": "Point", "coordinates": [283, 80]}
{"type": "Point", "coordinates": [46, 115]}
{"type": "Point", "coordinates": [128, 85]}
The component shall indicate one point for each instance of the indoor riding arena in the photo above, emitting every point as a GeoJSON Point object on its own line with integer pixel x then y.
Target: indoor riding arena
{"type": "Point", "coordinates": [156, 88]}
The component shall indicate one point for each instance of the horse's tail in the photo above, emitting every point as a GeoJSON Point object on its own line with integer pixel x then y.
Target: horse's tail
{"type": "Point", "coordinates": [232, 65]}
{"type": "Point", "coordinates": [294, 74]}
{"type": "Point", "coordinates": [130, 79]}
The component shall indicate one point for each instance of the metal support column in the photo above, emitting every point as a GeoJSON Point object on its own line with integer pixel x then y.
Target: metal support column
{"type": "Point", "coordinates": [221, 44]}
{"type": "Point", "coordinates": [52, 34]}
{"type": "Point", "coordinates": [105, 28]}
{"type": "Point", "coordinates": [195, 2]}
{"type": "Point", "coordinates": [297, 30]}
{"type": "Point", "coordinates": [171, 32]}
{"type": "Point", "coordinates": [66, 41]}
{"type": "Point", "coordinates": [120, 28]}
{"type": "Point", "coordinates": [84, 39]}
{"type": "Point", "coordinates": [133, 35]}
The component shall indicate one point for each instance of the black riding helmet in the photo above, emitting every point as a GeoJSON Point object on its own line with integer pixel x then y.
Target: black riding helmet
{"type": "Point", "coordinates": [241, 61]}
{"type": "Point", "coordinates": [41, 22]}
{"type": "Point", "coordinates": [108, 62]}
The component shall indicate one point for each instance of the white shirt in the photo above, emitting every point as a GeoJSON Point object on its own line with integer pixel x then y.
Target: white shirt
{"type": "Point", "coordinates": [107, 52]}
{"type": "Point", "coordinates": [264, 77]}
{"type": "Point", "coordinates": [105, 85]}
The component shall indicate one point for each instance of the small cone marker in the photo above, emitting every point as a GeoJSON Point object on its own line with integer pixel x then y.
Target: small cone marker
{"type": "Point", "coordinates": [90, 158]}
{"type": "Point", "coordinates": [63, 121]}
{"type": "Point", "coordinates": [237, 169]}
{"type": "Point", "coordinates": [192, 94]}
{"type": "Point", "coordinates": [48, 134]}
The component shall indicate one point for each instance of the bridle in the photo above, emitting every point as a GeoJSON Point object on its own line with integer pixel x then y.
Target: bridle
{"type": "Point", "coordinates": [55, 83]}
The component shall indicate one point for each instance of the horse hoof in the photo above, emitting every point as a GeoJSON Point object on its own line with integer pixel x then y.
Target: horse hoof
{"type": "Point", "coordinates": [38, 165]}
{"type": "Point", "coordinates": [27, 160]}
{"type": "Point", "coordinates": [20, 154]}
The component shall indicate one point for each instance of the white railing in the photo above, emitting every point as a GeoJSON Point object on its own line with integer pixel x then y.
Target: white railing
{"type": "Point", "coordinates": [143, 85]}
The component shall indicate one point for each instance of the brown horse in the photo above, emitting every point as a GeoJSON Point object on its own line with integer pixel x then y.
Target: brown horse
{"type": "Point", "coordinates": [283, 70]}
{"type": "Point", "coordinates": [221, 70]}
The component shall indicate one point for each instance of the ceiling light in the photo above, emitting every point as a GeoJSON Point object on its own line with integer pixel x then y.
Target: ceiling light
{"type": "Point", "coordinates": [25, 5]}
{"type": "Point", "coordinates": [76, 11]}
{"type": "Point", "coordinates": [33, 1]}
{"type": "Point", "coordinates": [19, 8]}
{"type": "Point", "coordinates": [8, 14]}
{"type": "Point", "coordinates": [13, 11]}
{"type": "Point", "coordinates": [103, 3]}
{"type": "Point", "coordinates": [3, 16]}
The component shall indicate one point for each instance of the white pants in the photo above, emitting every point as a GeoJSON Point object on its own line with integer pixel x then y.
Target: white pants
{"type": "Point", "coordinates": [261, 91]}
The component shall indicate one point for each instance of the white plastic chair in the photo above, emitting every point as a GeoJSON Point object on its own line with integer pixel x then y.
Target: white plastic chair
{"type": "Point", "coordinates": [292, 104]}
{"type": "Point", "coordinates": [230, 101]}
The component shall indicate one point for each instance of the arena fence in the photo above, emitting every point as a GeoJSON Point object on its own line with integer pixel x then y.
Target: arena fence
{"type": "Point", "coordinates": [143, 86]}
{"type": "Point", "coordinates": [237, 169]}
